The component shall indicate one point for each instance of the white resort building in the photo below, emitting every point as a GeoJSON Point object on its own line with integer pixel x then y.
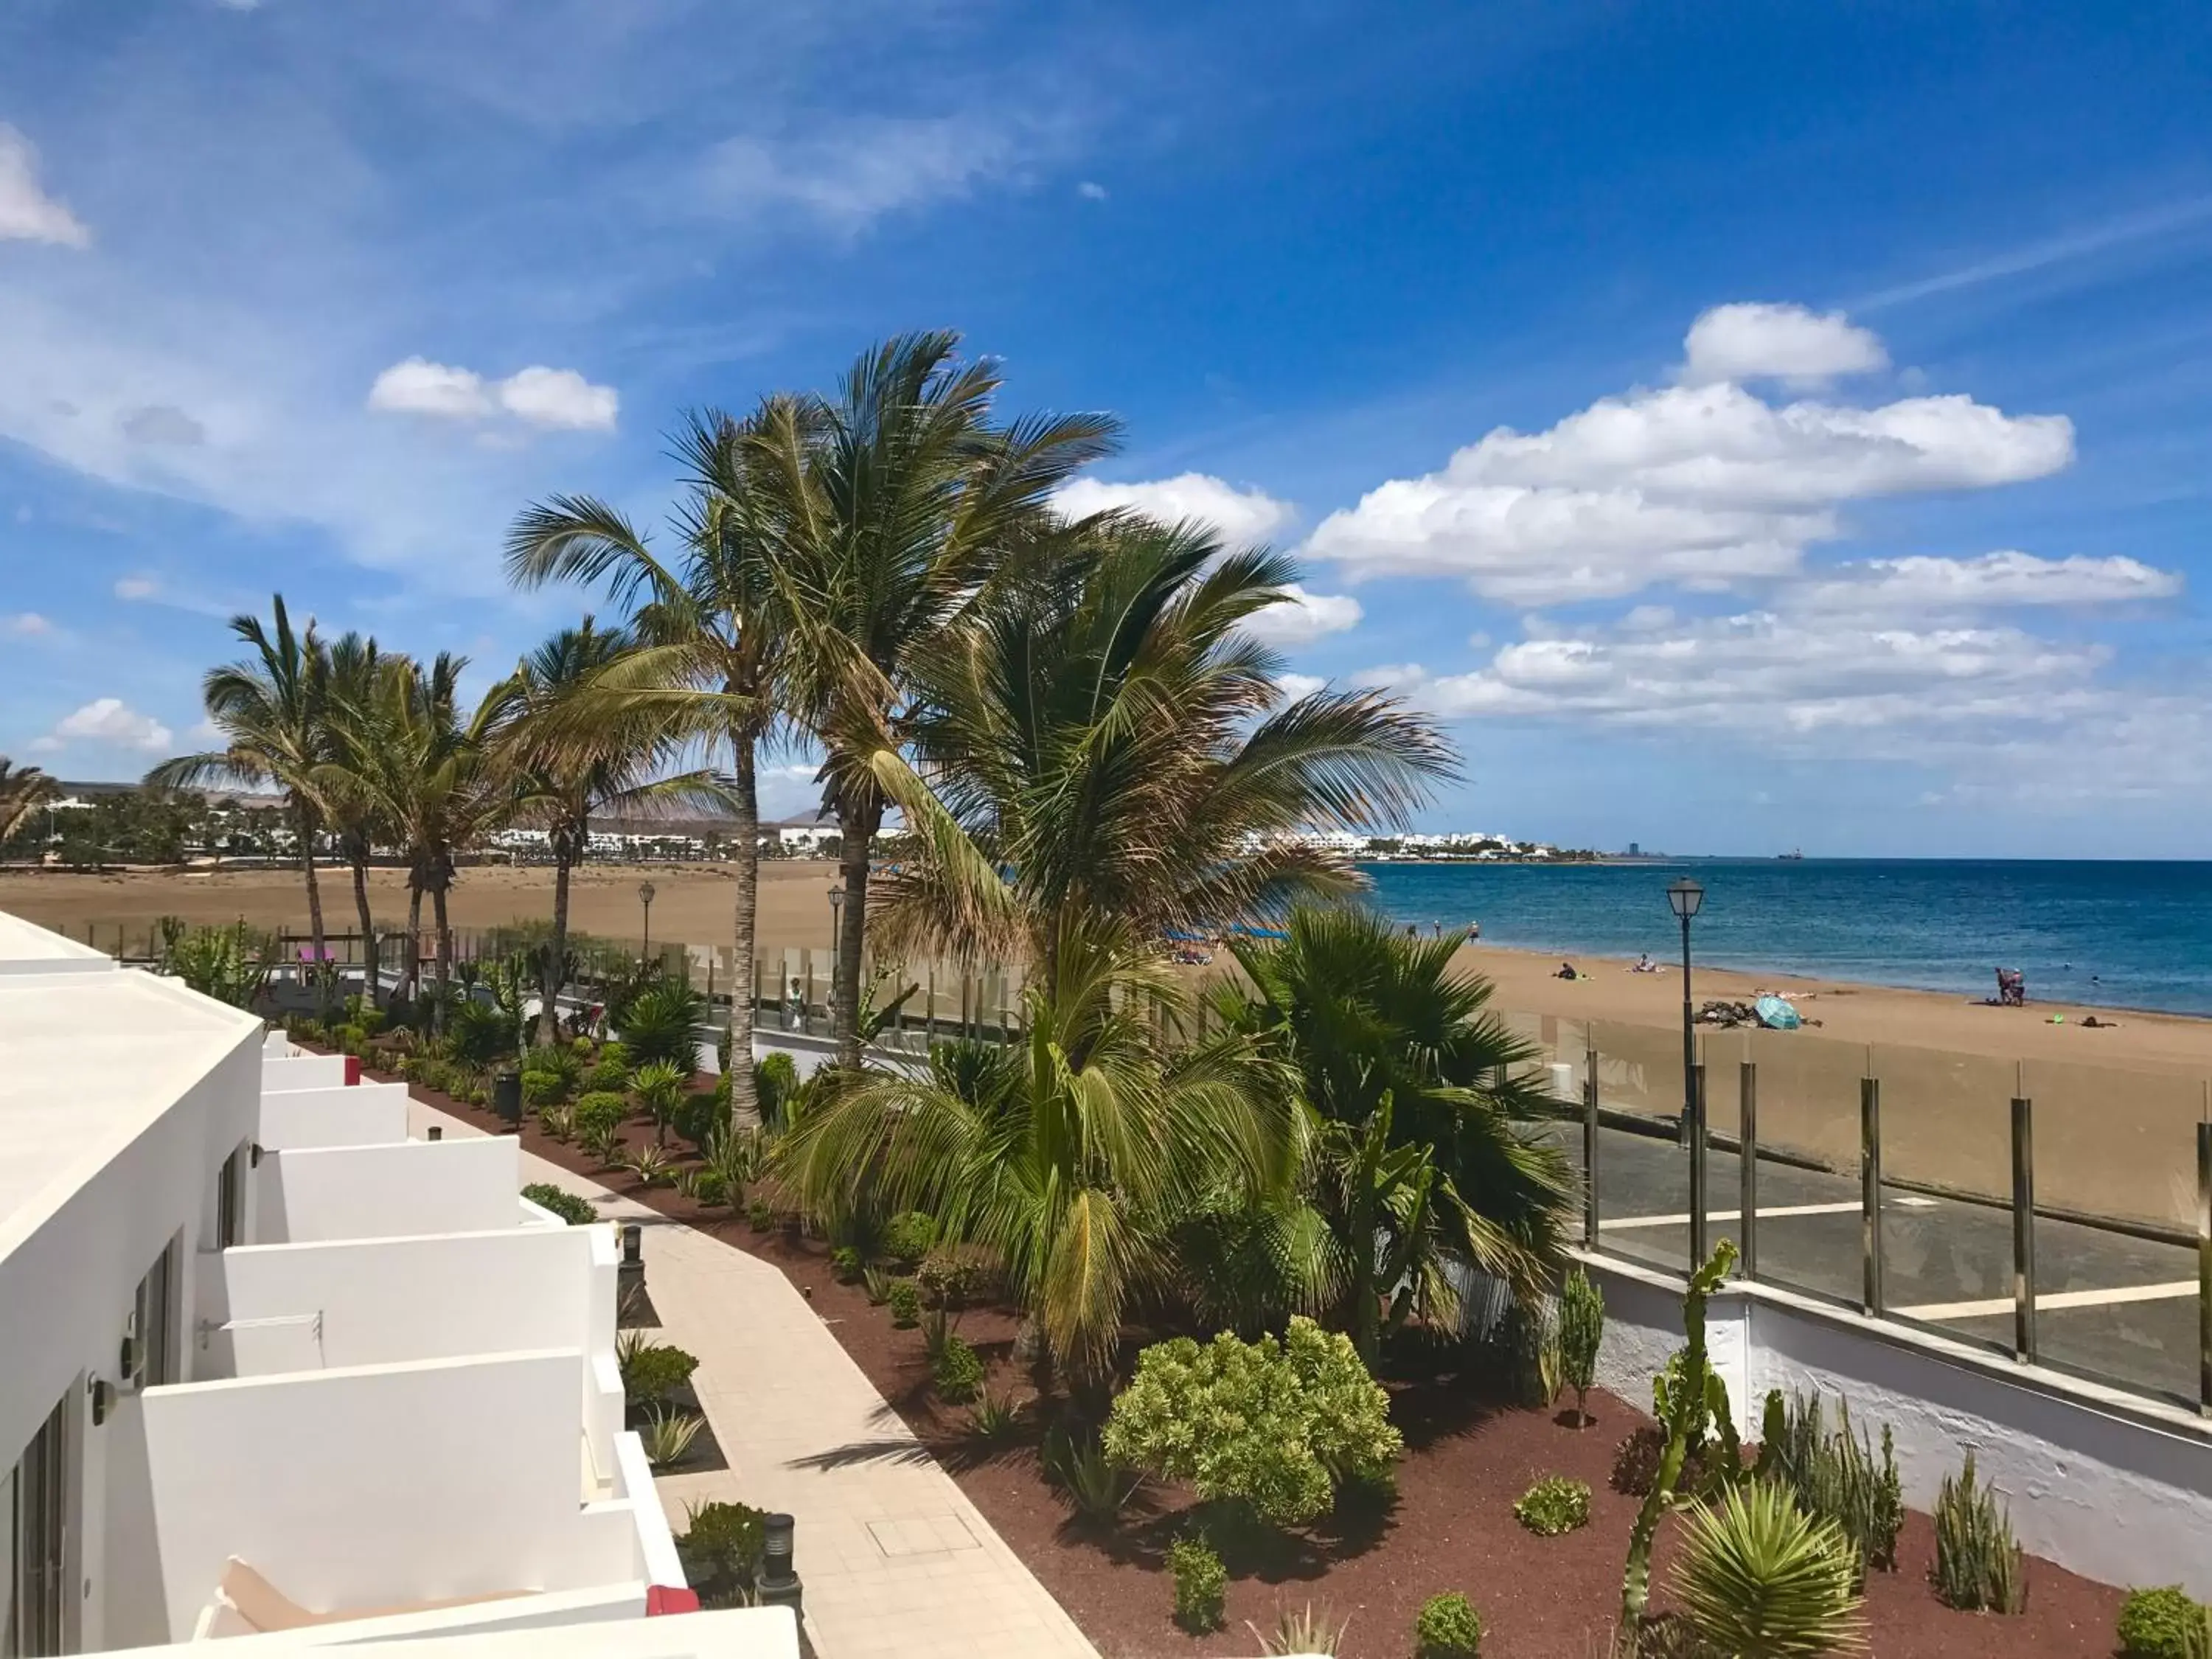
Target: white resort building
{"type": "Point", "coordinates": [273, 1371]}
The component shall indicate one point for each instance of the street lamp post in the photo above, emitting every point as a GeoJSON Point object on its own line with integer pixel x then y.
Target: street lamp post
{"type": "Point", "coordinates": [645, 899]}
{"type": "Point", "coordinates": [836, 935]}
{"type": "Point", "coordinates": [1683, 898]}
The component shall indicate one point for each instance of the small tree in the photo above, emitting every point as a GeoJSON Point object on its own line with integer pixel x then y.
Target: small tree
{"type": "Point", "coordinates": [659, 1090]}
{"type": "Point", "coordinates": [1582, 1331]}
{"type": "Point", "coordinates": [1265, 1429]}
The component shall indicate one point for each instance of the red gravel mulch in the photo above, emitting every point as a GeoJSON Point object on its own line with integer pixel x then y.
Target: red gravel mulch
{"type": "Point", "coordinates": [1451, 1525]}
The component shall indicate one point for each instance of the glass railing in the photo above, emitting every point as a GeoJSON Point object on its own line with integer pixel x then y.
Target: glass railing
{"type": "Point", "coordinates": [2057, 1212]}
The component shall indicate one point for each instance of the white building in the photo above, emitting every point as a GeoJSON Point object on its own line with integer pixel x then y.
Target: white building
{"type": "Point", "coordinates": [272, 1365]}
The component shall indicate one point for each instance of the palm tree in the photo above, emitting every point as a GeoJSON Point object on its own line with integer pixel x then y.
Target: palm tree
{"type": "Point", "coordinates": [1069, 1156]}
{"type": "Point", "coordinates": [23, 790]}
{"type": "Point", "coordinates": [272, 708]}
{"type": "Point", "coordinates": [1115, 743]}
{"type": "Point", "coordinates": [350, 666]}
{"type": "Point", "coordinates": [711, 658]}
{"type": "Point", "coordinates": [568, 771]}
{"type": "Point", "coordinates": [893, 506]}
{"type": "Point", "coordinates": [1423, 1159]}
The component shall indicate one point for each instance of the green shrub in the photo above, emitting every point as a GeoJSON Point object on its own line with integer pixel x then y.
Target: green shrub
{"type": "Point", "coordinates": [609, 1069]}
{"type": "Point", "coordinates": [560, 1060]}
{"type": "Point", "coordinates": [1582, 1333]}
{"type": "Point", "coordinates": [903, 1298]}
{"type": "Point", "coordinates": [660, 1089]}
{"type": "Point", "coordinates": [1270, 1426]}
{"type": "Point", "coordinates": [845, 1264]}
{"type": "Point", "coordinates": [700, 1118]}
{"type": "Point", "coordinates": [955, 1275]}
{"type": "Point", "coordinates": [707, 1185]}
{"type": "Point", "coordinates": [651, 1371]}
{"type": "Point", "coordinates": [1201, 1583]}
{"type": "Point", "coordinates": [776, 1079]}
{"type": "Point", "coordinates": [480, 1033]}
{"type": "Point", "coordinates": [1835, 1476]}
{"type": "Point", "coordinates": [720, 1548]}
{"type": "Point", "coordinates": [660, 1026]}
{"type": "Point", "coordinates": [1553, 1505]}
{"type": "Point", "coordinates": [543, 1088]}
{"type": "Point", "coordinates": [576, 1210]}
{"type": "Point", "coordinates": [1449, 1628]}
{"type": "Point", "coordinates": [600, 1111]}
{"type": "Point", "coordinates": [760, 1215]}
{"type": "Point", "coordinates": [908, 1236]}
{"type": "Point", "coordinates": [1978, 1562]}
{"type": "Point", "coordinates": [1758, 1577]}
{"type": "Point", "coordinates": [958, 1372]}
{"type": "Point", "coordinates": [2164, 1623]}
{"type": "Point", "coordinates": [351, 1039]}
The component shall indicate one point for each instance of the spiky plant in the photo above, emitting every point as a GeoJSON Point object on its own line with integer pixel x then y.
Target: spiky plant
{"type": "Point", "coordinates": [1980, 1565]}
{"type": "Point", "coordinates": [1760, 1579]}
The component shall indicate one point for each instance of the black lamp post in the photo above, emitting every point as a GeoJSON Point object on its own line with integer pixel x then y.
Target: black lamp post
{"type": "Point", "coordinates": [836, 938]}
{"type": "Point", "coordinates": [645, 899]}
{"type": "Point", "coordinates": [1683, 898]}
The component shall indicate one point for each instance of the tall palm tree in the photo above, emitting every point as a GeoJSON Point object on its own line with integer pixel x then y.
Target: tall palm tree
{"type": "Point", "coordinates": [1070, 1156]}
{"type": "Point", "coordinates": [569, 771]}
{"type": "Point", "coordinates": [1113, 741]}
{"type": "Point", "coordinates": [895, 505]}
{"type": "Point", "coordinates": [272, 707]}
{"type": "Point", "coordinates": [710, 662]}
{"type": "Point", "coordinates": [350, 666]}
{"type": "Point", "coordinates": [23, 790]}
{"type": "Point", "coordinates": [1423, 1157]}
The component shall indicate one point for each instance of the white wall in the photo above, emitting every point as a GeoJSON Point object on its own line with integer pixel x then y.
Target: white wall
{"type": "Point", "coordinates": [366, 1114]}
{"type": "Point", "coordinates": [2110, 1488]}
{"type": "Point", "coordinates": [534, 1629]}
{"type": "Point", "coordinates": [280, 1074]}
{"type": "Point", "coordinates": [389, 1191]}
{"type": "Point", "coordinates": [378, 1487]}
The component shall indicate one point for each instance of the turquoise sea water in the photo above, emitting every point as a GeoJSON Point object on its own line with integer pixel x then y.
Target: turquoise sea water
{"type": "Point", "coordinates": [2116, 934]}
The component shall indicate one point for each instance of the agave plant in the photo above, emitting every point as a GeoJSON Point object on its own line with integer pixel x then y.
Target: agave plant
{"type": "Point", "coordinates": [651, 1165]}
{"type": "Point", "coordinates": [1760, 1579]}
{"type": "Point", "coordinates": [668, 1435]}
{"type": "Point", "coordinates": [1095, 1486]}
{"type": "Point", "coordinates": [1301, 1631]}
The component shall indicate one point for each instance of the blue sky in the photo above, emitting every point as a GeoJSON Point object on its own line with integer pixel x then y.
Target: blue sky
{"type": "Point", "coordinates": [1751, 425]}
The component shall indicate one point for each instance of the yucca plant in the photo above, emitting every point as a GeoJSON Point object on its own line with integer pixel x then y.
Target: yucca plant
{"type": "Point", "coordinates": [660, 1089]}
{"type": "Point", "coordinates": [1979, 1565]}
{"type": "Point", "coordinates": [992, 1419]}
{"type": "Point", "coordinates": [1096, 1487]}
{"type": "Point", "coordinates": [668, 1435]}
{"type": "Point", "coordinates": [603, 1141]}
{"type": "Point", "coordinates": [1760, 1579]}
{"type": "Point", "coordinates": [651, 1165]}
{"type": "Point", "coordinates": [559, 1122]}
{"type": "Point", "coordinates": [1300, 1631]}
{"type": "Point", "coordinates": [877, 1282]}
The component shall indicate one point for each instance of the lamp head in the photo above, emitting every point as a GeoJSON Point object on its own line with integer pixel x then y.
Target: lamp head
{"type": "Point", "coordinates": [644, 892]}
{"type": "Point", "coordinates": [1684, 897]}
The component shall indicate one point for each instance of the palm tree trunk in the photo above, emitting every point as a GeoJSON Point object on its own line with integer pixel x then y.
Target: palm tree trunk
{"type": "Point", "coordinates": [745, 1101]}
{"type": "Point", "coordinates": [445, 950]}
{"type": "Point", "coordinates": [856, 828]}
{"type": "Point", "coordinates": [367, 928]}
{"type": "Point", "coordinates": [306, 822]}
{"type": "Point", "coordinates": [414, 939]}
{"type": "Point", "coordinates": [557, 948]}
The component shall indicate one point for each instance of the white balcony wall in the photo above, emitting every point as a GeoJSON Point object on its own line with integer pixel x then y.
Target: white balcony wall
{"type": "Point", "coordinates": [284, 1072]}
{"type": "Point", "coordinates": [397, 1191]}
{"type": "Point", "coordinates": [376, 1488]}
{"type": "Point", "coordinates": [568, 1626]}
{"type": "Point", "coordinates": [366, 1114]}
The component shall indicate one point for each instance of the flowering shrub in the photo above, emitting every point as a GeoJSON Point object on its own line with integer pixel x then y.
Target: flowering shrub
{"type": "Point", "coordinates": [1273, 1426]}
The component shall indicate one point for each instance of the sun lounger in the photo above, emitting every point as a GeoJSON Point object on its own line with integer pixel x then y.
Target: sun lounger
{"type": "Point", "coordinates": [246, 1604]}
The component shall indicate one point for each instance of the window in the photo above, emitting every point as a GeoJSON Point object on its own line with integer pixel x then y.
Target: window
{"type": "Point", "coordinates": [153, 1323]}
{"type": "Point", "coordinates": [230, 1201]}
{"type": "Point", "coordinates": [36, 1515]}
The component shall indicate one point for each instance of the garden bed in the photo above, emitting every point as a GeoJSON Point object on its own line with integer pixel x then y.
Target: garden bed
{"type": "Point", "coordinates": [1451, 1525]}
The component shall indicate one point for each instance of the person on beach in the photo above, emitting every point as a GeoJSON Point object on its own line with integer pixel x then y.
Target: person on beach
{"type": "Point", "coordinates": [1644, 964]}
{"type": "Point", "coordinates": [1566, 971]}
{"type": "Point", "coordinates": [1473, 930]}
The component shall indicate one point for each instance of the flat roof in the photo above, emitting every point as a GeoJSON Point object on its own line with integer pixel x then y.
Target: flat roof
{"type": "Point", "coordinates": [88, 1062]}
{"type": "Point", "coordinates": [24, 944]}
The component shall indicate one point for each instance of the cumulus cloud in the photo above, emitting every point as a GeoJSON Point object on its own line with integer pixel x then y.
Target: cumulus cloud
{"type": "Point", "coordinates": [1091, 191]}
{"type": "Point", "coordinates": [108, 720]}
{"type": "Point", "coordinates": [1750, 342]}
{"type": "Point", "coordinates": [1304, 617]}
{"type": "Point", "coordinates": [1241, 515]}
{"type": "Point", "coordinates": [1697, 486]}
{"type": "Point", "coordinates": [2008, 577]}
{"type": "Point", "coordinates": [1300, 685]}
{"type": "Point", "coordinates": [28, 214]}
{"type": "Point", "coordinates": [538, 396]}
{"type": "Point", "coordinates": [25, 625]}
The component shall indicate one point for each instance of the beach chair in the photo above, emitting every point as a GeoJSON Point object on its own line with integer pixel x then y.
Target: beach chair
{"type": "Point", "coordinates": [2012, 988]}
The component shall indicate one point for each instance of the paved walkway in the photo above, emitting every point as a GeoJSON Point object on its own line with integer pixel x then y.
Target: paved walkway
{"type": "Point", "coordinates": [894, 1559]}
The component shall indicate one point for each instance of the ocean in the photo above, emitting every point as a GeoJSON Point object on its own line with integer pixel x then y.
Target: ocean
{"type": "Point", "coordinates": [2122, 935]}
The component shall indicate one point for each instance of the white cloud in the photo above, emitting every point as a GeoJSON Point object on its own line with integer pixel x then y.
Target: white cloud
{"type": "Point", "coordinates": [1919, 583]}
{"type": "Point", "coordinates": [1299, 685]}
{"type": "Point", "coordinates": [1091, 191]}
{"type": "Point", "coordinates": [109, 721]}
{"type": "Point", "coordinates": [1700, 487]}
{"type": "Point", "coordinates": [541, 397]}
{"type": "Point", "coordinates": [847, 176]}
{"type": "Point", "coordinates": [559, 398]}
{"type": "Point", "coordinates": [28, 214]}
{"type": "Point", "coordinates": [136, 587]}
{"type": "Point", "coordinates": [25, 625]}
{"type": "Point", "coordinates": [1304, 617]}
{"type": "Point", "coordinates": [419, 386]}
{"type": "Point", "coordinates": [1750, 342]}
{"type": "Point", "coordinates": [1241, 515]}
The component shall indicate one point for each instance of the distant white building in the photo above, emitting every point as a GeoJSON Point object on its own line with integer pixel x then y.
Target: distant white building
{"type": "Point", "coordinates": [271, 1365]}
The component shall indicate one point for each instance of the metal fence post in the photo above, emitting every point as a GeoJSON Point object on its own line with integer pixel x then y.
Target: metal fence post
{"type": "Point", "coordinates": [2023, 1230]}
{"type": "Point", "coordinates": [1747, 1137]}
{"type": "Point", "coordinates": [1590, 1148]}
{"type": "Point", "coordinates": [1870, 1195]}
{"type": "Point", "coordinates": [2204, 1269]}
{"type": "Point", "coordinates": [1700, 1244]}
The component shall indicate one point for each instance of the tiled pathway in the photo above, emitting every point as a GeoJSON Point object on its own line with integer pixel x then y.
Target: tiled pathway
{"type": "Point", "coordinates": [894, 1559]}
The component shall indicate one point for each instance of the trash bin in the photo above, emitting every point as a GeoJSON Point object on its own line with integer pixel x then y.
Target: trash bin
{"type": "Point", "coordinates": [507, 1097]}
